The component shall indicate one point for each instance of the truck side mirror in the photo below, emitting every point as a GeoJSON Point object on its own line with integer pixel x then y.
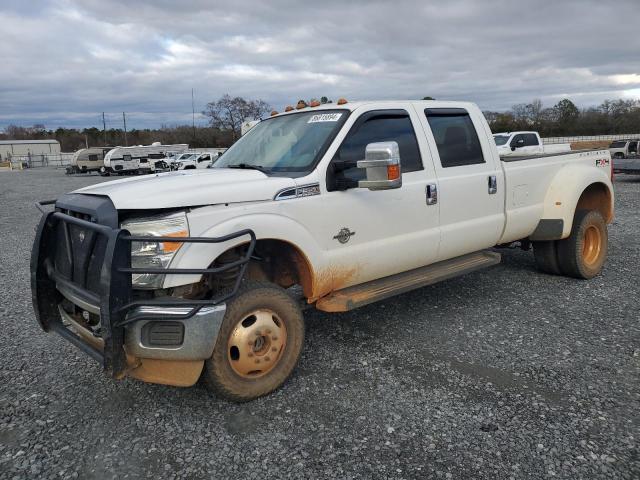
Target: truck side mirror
{"type": "Point", "coordinates": [382, 165]}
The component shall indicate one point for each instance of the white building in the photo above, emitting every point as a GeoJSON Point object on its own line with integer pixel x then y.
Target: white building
{"type": "Point", "coordinates": [28, 148]}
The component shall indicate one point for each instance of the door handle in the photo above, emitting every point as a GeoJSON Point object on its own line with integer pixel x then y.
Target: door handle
{"type": "Point", "coordinates": [493, 184]}
{"type": "Point", "coordinates": [432, 194]}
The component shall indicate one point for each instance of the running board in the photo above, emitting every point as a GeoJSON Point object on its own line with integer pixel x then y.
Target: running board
{"type": "Point", "coordinates": [375, 290]}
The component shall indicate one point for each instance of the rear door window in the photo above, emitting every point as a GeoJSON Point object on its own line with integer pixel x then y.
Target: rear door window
{"type": "Point", "coordinates": [530, 140]}
{"type": "Point", "coordinates": [456, 137]}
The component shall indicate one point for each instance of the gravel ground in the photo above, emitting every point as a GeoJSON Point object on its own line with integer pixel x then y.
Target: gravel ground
{"type": "Point", "coordinates": [505, 373]}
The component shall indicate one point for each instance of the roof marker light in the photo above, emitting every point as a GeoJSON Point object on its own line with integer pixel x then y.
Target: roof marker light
{"type": "Point", "coordinates": [274, 113]}
{"type": "Point", "coordinates": [314, 103]}
{"type": "Point", "coordinates": [342, 101]}
{"type": "Point", "coordinates": [301, 104]}
{"type": "Point", "coordinates": [288, 109]}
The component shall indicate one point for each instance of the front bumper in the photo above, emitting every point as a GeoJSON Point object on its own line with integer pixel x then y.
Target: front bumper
{"type": "Point", "coordinates": [97, 310]}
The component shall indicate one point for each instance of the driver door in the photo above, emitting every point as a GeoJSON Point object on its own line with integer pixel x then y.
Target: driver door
{"type": "Point", "coordinates": [373, 234]}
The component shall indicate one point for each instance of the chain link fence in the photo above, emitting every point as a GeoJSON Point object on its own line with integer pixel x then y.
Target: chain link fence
{"type": "Point", "coordinates": [40, 160]}
{"type": "Point", "coordinates": [590, 138]}
{"type": "Point", "coordinates": [64, 159]}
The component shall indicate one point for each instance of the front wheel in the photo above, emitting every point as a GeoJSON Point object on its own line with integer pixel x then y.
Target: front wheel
{"type": "Point", "coordinates": [582, 254]}
{"type": "Point", "coordinates": [258, 344]}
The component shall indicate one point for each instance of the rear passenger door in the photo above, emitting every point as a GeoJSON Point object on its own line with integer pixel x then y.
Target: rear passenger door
{"type": "Point", "coordinates": [470, 180]}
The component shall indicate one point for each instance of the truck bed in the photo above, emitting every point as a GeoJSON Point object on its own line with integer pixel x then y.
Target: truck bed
{"type": "Point", "coordinates": [630, 166]}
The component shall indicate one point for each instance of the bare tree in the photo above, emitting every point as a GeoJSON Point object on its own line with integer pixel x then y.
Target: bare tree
{"type": "Point", "coordinates": [229, 113]}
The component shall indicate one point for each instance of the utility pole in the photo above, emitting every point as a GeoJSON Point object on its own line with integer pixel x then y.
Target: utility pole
{"type": "Point", "coordinates": [104, 130]}
{"type": "Point", "coordinates": [124, 120]}
{"type": "Point", "coordinates": [193, 115]}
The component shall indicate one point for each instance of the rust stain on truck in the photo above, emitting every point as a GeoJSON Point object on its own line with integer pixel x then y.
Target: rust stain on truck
{"type": "Point", "coordinates": [331, 279]}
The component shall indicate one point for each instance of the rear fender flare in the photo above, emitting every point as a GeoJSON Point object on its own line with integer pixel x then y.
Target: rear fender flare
{"type": "Point", "coordinates": [565, 191]}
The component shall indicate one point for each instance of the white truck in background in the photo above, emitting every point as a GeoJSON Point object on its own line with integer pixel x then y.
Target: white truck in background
{"type": "Point", "coordinates": [139, 159]}
{"type": "Point", "coordinates": [620, 149]}
{"type": "Point", "coordinates": [512, 144]}
{"type": "Point", "coordinates": [181, 275]}
{"type": "Point", "coordinates": [198, 160]}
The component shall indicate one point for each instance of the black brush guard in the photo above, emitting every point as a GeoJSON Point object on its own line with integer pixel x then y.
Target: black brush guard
{"type": "Point", "coordinates": [115, 297]}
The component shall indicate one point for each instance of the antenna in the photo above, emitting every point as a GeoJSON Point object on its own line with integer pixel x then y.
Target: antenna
{"type": "Point", "coordinates": [124, 120]}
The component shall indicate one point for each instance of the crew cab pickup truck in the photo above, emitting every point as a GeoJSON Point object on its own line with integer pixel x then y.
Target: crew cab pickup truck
{"type": "Point", "coordinates": [172, 277]}
{"type": "Point", "coordinates": [526, 143]}
{"type": "Point", "coordinates": [198, 160]}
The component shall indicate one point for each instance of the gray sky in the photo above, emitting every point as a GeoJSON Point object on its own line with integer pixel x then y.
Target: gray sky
{"type": "Point", "coordinates": [63, 62]}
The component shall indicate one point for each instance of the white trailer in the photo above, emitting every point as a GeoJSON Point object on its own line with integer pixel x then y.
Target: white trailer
{"type": "Point", "coordinates": [139, 159]}
{"type": "Point", "coordinates": [88, 160]}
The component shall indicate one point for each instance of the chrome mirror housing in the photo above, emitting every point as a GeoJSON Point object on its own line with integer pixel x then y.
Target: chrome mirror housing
{"type": "Point", "coordinates": [382, 165]}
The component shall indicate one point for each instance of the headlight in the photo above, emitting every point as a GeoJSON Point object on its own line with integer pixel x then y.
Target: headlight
{"type": "Point", "coordinates": [155, 254]}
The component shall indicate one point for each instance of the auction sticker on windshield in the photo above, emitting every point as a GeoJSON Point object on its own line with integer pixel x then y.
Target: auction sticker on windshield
{"type": "Point", "coordinates": [325, 117]}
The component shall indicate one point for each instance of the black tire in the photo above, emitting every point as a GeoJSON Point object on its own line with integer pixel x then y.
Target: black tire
{"type": "Point", "coordinates": [583, 253]}
{"type": "Point", "coordinates": [546, 257]}
{"type": "Point", "coordinates": [221, 373]}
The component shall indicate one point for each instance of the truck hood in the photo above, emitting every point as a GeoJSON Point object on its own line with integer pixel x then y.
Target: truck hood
{"type": "Point", "coordinates": [189, 188]}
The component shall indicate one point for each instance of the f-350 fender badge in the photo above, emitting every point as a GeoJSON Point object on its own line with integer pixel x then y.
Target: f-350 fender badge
{"type": "Point", "coordinates": [344, 235]}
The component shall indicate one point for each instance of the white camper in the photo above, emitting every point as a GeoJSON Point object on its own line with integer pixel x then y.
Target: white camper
{"type": "Point", "coordinates": [138, 159]}
{"type": "Point", "coordinates": [88, 160]}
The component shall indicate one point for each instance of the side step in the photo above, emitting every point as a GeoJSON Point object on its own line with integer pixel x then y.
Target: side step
{"type": "Point", "coordinates": [375, 290]}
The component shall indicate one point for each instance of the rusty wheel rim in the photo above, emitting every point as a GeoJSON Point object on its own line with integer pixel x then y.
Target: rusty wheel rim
{"type": "Point", "coordinates": [256, 344]}
{"type": "Point", "coordinates": [592, 245]}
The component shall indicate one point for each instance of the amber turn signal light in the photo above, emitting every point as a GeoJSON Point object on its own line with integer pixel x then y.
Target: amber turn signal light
{"type": "Point", "coordinates": [169, 247]}
{"type": "Point", "coordinates": [393, 172]}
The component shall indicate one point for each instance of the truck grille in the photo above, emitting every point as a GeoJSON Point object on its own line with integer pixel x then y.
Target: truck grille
{"type": "Point", "coordinates": [82, 262]}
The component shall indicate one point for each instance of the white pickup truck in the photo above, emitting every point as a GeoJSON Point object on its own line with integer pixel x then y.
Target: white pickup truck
{"type": "Point", "coordinates": [176, 276]}
{"type": "Point", "coordinates": [198, 160]}
{"type": "Point", "coordinates": [512, 144]}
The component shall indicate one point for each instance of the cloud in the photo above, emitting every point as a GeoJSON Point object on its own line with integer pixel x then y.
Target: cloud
{"type": "Point", "coordinates": [65, 62]}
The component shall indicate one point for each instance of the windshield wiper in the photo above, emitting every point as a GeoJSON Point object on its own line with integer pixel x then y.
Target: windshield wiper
{"type": "Point", "coordinates": [250, 167]}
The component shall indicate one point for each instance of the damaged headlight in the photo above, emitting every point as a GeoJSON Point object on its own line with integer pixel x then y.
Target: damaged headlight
{"type": "Point", "coordinates": [154, 254]}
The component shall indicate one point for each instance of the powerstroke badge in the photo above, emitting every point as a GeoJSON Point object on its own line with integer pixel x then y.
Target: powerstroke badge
{"type": "Point", "coordinates": [344, 235]}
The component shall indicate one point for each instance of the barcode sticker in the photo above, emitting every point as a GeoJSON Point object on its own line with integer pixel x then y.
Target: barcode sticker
{"type": "Point", "coordinates": [325, 117]}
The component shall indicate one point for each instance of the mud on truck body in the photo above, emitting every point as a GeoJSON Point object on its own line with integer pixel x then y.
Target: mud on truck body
{"type": "Point", "coordinates": [178, 276]}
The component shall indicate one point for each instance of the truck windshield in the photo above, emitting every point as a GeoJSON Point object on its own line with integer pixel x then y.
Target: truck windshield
{"type": "Point", "coordinates": [288, 143]}
{"type": "Point", "coordinates": [618, 144]}
{"type": "Point", "coordinates": [501, 139]}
